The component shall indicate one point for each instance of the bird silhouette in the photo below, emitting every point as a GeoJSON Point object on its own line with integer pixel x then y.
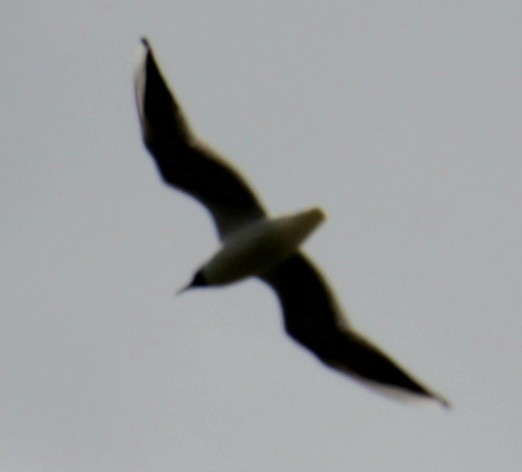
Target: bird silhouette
{"type": "Point", "coordinates": [254, 244]}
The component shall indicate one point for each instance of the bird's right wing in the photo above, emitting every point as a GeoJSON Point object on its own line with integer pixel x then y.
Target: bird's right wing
{"type": "Point", "coordinates": [313, 319]}
{"type": "Point", "coordinates": [184, 162]}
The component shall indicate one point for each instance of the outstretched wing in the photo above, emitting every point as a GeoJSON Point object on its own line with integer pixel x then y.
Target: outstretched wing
{"type": "Point", "coordinates": [182, 161]}
{"type": "Point", "coordinates": [312, 318]}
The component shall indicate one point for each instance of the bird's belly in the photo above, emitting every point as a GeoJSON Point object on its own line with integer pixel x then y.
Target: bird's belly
{"type": "Point", "coordinates": [260, 246]}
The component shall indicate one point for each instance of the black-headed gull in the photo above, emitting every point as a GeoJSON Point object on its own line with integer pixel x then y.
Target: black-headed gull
{"type": "Point", "coordinates": [256, 245]}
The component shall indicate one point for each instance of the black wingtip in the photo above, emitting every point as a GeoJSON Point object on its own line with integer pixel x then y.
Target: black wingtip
{"type": "Point", "coordinates": [145, 42]}
{"type": "Point", "coordinates": [443, 402]}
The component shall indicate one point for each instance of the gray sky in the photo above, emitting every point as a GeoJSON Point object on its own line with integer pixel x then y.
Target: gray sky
{"type": "Point", "coordinates": [402, 120]}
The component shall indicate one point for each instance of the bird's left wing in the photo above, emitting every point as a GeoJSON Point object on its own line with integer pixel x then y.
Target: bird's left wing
{"type": "Point", "coordinates": [181, 159]}
{"type": "Point", "coordinates": [314, 320]}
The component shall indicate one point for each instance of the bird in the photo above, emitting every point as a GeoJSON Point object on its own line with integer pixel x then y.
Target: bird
{"type": "Point", "coordinates": [257, 245]}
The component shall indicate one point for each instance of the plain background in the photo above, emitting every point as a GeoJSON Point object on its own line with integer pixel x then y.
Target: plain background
{"type": "Point", "coordinates": [401, 119]}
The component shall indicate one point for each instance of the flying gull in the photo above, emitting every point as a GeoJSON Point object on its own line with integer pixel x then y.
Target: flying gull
{"type": "Point", "coordinates": [254, 244]}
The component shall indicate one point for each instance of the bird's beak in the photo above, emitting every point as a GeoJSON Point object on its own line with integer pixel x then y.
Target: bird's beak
{"type": "Point", "coordinates": [197, 281]}
{"type": "Point", "coordinates": [184, 288]}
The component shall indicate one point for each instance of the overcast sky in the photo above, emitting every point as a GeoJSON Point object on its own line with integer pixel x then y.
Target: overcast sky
{"type": "Point", "coordinates": [402, 120]}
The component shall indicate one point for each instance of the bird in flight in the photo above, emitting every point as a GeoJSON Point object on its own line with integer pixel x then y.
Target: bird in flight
{"type": "Point", "coordinates": [254, 244]}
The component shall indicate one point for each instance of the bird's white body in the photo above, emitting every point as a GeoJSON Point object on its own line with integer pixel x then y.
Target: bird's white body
{"type": "Point", "coordinates": [258, 246]}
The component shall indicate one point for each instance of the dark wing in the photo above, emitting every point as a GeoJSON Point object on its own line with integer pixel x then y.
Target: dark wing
{"type": "Point", "coordinates": [181, 160]}
{"type": "Point", "coordinates": [312, 318]}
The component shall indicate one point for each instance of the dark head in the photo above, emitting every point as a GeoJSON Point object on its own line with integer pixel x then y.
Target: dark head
{"type": "Point", "coordinates": [197, 281]}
